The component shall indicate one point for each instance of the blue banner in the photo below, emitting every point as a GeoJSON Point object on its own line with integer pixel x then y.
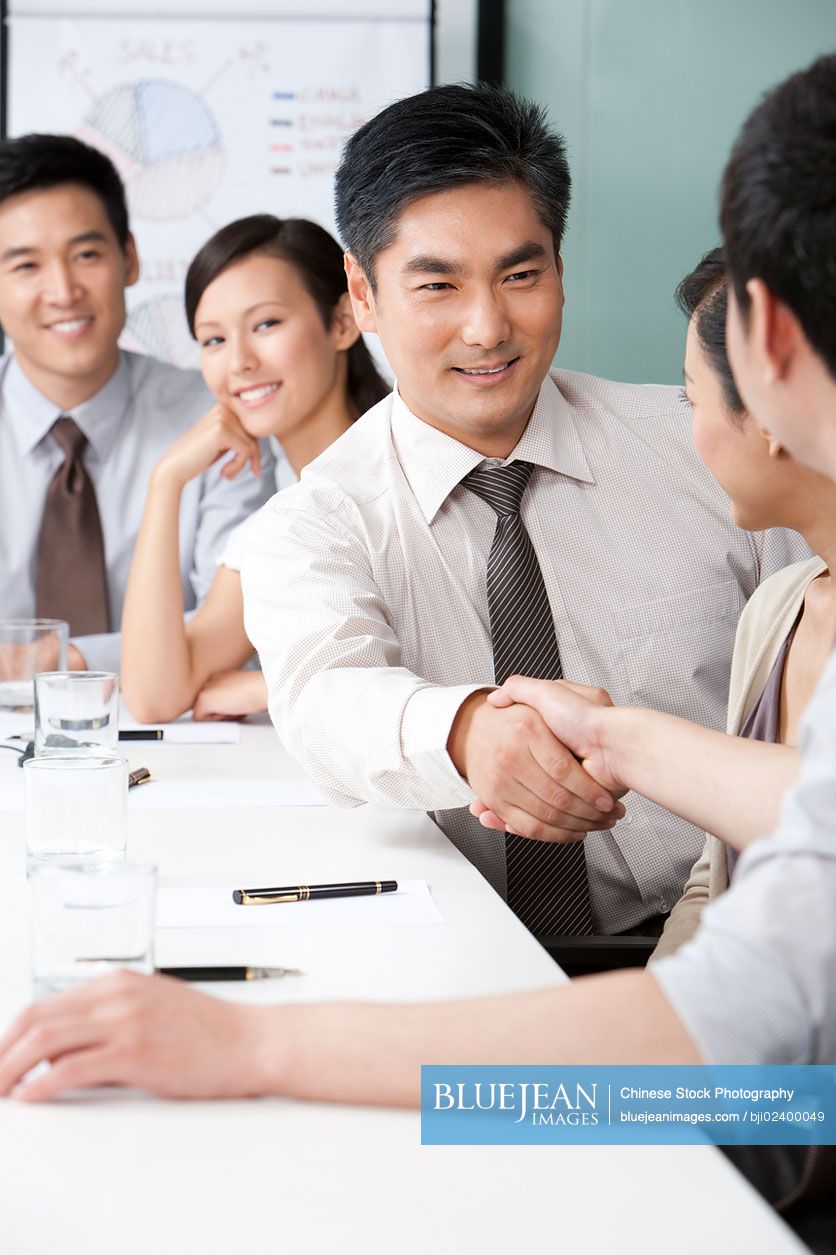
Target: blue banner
{"type": "Point", "coordinates": [629, 1106]}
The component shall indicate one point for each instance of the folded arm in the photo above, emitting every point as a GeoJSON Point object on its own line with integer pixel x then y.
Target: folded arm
{"type": "Point", "coordinates": [166, 660]}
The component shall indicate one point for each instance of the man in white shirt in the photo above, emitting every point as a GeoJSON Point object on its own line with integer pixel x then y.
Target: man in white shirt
{"type": "Point", "coordinates": [81, 422]}
{"type": "Point", "coordinates": [368, 587]}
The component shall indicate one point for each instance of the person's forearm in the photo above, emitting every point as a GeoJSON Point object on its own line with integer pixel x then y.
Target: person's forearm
{"type": "Point", "coordinates": [157, 679]}
{"type": "Point", "coordinates": [370, 1053]}
{"type": "Point", "coordinates": [728, 785]}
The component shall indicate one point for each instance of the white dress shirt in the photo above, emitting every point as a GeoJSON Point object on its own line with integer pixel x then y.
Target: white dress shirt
{"type": "Point", "coordinates": [142, 409]}
{"type": "Point", "coordinates": [365, 595]}
{"type": "Point", "coordinates": [756, 984]}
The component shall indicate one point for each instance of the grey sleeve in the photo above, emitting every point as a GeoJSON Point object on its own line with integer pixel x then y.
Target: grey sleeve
{"type": "Point", "coordinates": [756, 983]}
{"type": "Point", "coordinates": [100, 652]}
{"type": "Point", "coordinates": [223, 505]}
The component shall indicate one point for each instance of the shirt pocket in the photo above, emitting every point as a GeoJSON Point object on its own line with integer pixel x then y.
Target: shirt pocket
{"type": "Point", "coordinates": [676, 651]}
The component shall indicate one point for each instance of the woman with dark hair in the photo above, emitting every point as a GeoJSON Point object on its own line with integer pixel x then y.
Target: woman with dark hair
{"type": "Point", "coordinates": [266, 300]}
{"type": "Point", "coordinates": [786, 632]}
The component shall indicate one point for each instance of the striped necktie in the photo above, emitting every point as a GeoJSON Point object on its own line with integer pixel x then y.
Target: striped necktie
{"type": "Point", "coordinates": [71, 578]}
{"type": "Point", "coordinates": [547, 882]}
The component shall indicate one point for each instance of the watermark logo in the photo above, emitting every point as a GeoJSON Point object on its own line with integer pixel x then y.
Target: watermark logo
{"type": "Point", "coordinates": [630, 1105]}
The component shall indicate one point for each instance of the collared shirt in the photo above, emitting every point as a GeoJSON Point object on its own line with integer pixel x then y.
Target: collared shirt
{"type": "Point", "coordinates": [365, 595]}
{"type": "Point", "coordinates": [756, 983]}
{"type": "Point", "coordinates": [142, 409]}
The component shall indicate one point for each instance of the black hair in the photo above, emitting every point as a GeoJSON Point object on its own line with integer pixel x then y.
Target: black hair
{"type": "Point", "coordinates": [778, 203]}
{"type": "Point", "coordinates": [440, 139]}
{"type": "Point", "coordinates": [318, 260]}
{"type": "Point", "coordinates": [703, 296]}
{"type": "Point", "coordinates": [38, 162]}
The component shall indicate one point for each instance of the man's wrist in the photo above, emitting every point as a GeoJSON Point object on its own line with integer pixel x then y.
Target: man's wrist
{"type": "Point", "coordinates": [460, 729]}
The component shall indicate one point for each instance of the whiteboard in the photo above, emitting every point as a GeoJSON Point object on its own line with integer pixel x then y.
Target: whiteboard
{"type": "Point", "coordinates": [208, 119]}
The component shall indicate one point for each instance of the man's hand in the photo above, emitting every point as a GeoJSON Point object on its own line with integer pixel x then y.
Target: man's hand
{"type": "Point", "coordinates": [231, 695]}
{"type": "Point", "coordinates": [151, 1032]}
{"type": "Point", "coordinates": [523, 774]}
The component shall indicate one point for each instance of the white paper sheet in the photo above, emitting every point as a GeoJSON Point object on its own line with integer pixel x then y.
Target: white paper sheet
{"type": "Point", "coordinates": [211, 906]}
{"type": "Point", "coordinates": [221, 793]}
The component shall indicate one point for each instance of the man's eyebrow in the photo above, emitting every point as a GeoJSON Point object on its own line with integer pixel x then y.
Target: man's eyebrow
{"type": "Point", "coordinates": [424, 264]}
{"type": "Point", "coordinates": [23, 250]}
{"type": "Point", "coordinates": [89, 237]}
{"type": "Point", "coordinates": [26, 250]}
{"type": "Point", "coordinates": [530, 251]}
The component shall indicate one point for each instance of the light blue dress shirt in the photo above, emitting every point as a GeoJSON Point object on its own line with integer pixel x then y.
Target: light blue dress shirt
{"type": "Point", "coordinates": [142, 409]}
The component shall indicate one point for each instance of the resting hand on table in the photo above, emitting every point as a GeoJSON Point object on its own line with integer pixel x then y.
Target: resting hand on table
{"type": "Point", "coordinates": [149, 1032]}
{"type": "Point", "coordinates": [231, 695]}
{"type": "Point", "coordinates": [529, 782]}
{"type": "Point", "coordinates": [573, 713]}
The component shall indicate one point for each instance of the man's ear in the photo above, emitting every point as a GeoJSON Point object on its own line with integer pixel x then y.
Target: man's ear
{"type": "Point", "coordinates": [361, 294]}
{"type": "Point", "coordinates": [774, 332]}
{"type": "Point", "coordinates": [131, 262]}
{"type": "Point", "coordinates": [343, 325]}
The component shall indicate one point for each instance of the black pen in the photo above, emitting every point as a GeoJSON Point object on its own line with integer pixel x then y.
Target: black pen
{"type": "Point", "coordinates": [228, 973]}
{"type": "Point", "coordinates": [141, 734]}
{"type": "Point", "coordinates": [302, 893]}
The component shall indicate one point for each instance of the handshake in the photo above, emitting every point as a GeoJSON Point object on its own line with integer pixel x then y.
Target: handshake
{"type": "Point", "coordinates": [540, 757]}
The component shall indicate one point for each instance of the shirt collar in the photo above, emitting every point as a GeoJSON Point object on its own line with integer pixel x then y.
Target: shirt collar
{"type": "Point", "coordinates": [31, 414]}
{"type": "Point", "coordinates": [434, 463]}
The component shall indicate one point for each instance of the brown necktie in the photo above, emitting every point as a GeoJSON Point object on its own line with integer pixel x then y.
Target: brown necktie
{"type": "Point", "coordinates": [71, 579]}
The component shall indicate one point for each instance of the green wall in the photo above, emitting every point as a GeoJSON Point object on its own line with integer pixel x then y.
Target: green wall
{"type": "Point", "coordinates": [649, 94]}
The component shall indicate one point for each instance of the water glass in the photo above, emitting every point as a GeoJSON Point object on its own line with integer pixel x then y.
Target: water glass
{"type": "Point", "coordinates": [85, 922]}
{"type": "Point", "coordinates": [76, 810]}
{"type": "Point", "coordinates": [76, 712]}
{"type": "Point", "coordinates": [28, 646]}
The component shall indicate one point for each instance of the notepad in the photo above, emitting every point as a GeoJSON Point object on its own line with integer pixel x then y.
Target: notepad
{"type": "Point", "coordinates": [221, 793]}
{"type": "Point", "coordinates": [211, 906]}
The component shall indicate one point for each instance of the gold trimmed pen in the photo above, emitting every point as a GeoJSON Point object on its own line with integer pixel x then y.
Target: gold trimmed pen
{"type": "Point", "coordinates": [305, 893]}
{"type": "Point", "coordinates": [228, 973]}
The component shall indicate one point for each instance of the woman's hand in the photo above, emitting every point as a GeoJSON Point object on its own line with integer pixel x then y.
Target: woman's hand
{"type": "Point", "coordinates": [231, 695]}
{"type": "Point", "coordinates": [217, 433]}
{"type": "Point", "coordinates": [575, 713]}
{"type": "Point", "coordinates": [146, 1031]}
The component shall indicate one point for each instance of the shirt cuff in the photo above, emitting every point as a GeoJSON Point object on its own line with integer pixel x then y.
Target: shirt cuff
{"type": "Point", "coordinates": [101, 651]}
{"type": "Point", "coordinates": [425, 727]}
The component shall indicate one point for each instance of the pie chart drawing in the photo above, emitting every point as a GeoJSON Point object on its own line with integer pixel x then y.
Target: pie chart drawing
{"type": "Point", "coordinates": [158, 327]}
{"type": "Point", "coordinates": [164, 142]}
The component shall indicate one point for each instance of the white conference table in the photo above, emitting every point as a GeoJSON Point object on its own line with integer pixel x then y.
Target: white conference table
{"type": "Point", "coordinates": [118, 1173]}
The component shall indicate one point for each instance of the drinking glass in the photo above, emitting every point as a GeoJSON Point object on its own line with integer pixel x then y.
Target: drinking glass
{"type": "Point", "coordinates": [28, 646]}
{"type": "Point", "coordinates": [76, 810]}
{"type": "Point", "coordinates": [76, 712]}
{"type": "Point", "coordinates": [87, 921]}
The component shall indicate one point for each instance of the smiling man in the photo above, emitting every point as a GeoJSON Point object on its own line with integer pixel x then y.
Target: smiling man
{"type": "Point", "coordinates": [82, 422]}
{"type": "Point", "coordinates": [494, 517]}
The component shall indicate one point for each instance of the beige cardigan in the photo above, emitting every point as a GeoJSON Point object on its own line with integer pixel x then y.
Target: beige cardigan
{"type": "Point", "coordinates": [763, 628]}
